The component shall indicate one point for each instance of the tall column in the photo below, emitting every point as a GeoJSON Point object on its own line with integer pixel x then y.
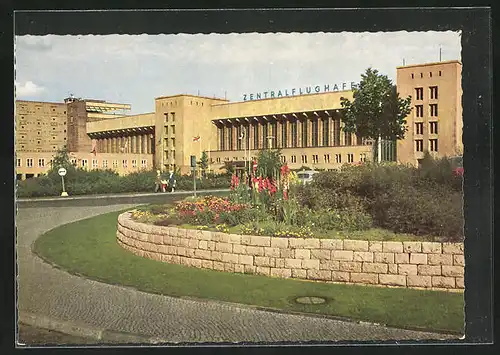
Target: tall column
{"type": "Point", "coordinates": [148, 144]}
{"type": "Point", "coordinates": [250, 135]}
{"type": "Point", "coordinates": [299, 133]}
{"type": "Point", "coordinates": [342, 135]}
{"type": "Point", "coordinates": [288, 132]}
{"type": "Point", "coordinates": [309, 132]}
{"type": "Point", "coordinates": [320, 131]}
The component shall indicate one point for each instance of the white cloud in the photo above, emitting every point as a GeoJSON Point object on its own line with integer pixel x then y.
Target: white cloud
{"type": "Point", "coordinates": [29, 88]}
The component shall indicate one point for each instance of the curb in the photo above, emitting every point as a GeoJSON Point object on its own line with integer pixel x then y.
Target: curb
{"type": "Point", "coordinates": [83, 330]}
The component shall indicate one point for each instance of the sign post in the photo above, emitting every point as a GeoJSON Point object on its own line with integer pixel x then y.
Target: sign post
{"type": "Point", "coordinates": [62, 172]}
{"type": "Point", "coordinates": [193, 168]}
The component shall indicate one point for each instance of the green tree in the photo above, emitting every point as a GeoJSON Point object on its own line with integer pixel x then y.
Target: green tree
{"type": "Point", "coordinates": [61, 160]}
{"type": "Point", "coordinates": [203, 163]}
{"type": "Point", "coordinates": [376, 112]}
{"type": "Point", "coordinates": [269, 163]}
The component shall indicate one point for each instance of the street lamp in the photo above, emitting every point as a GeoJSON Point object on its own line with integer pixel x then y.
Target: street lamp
{"type": "Point", "coordinates": [243, 142]}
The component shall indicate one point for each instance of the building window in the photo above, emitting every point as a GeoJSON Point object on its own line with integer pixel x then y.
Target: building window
{"type": "Point", "coordinates": [134, 163]}
{"type": "Point", "coordinates": [433, 110]}
{"type": "Point", "coordinates": [18, 162]}
{"type": "Point", "coordinates": [115, 163]}
{"type": "Point", "coordinates": [293, 158]}
{"type": "Point", "coordinates": [274, 134]}
{"type": "Point", "coordinates": [218, 160]}
{"type": "Point", "coordinates": [305, 133]}
{"type": "Point", "coordinates": [124, 163]}
{"type": "Point", "coordinates": [338, 158]}
{"type": "Point", "coordinates": [347, 138]}
{"type": "Point", "coordinates": [419, 128]}
{"type": "Point", "coordinates": [419, 145]}
{"type": "Point", "coordinates": [172, 129]}
{"type": "Point", "coordinates": [421, 75]}
{"type": "Point", "coordinates": [326, 157]}
{"type": "Point", "coordinates": [95, 164]}
{"type": "Point", "coordinates": [430, 74]}
{"type": "Point", "coordinates": [293, 126]}
{"type": "Point", "coordinates": [284, 135]}
{"type": "Point", "coordinates": [41, 163]}
{"type": "Point", "coordinates": [166, 116]}
{"type": "Point", "coordinates": [173, 142]}
{"type": "Point", "coordinates": [73, 162]}
{"type": "Point", "coordinates": [222, 140]}
{"type": "Point", "coordinates": [29, 162]}
{"type": "Point", "coordinates": [173, 116]}
{"type": "Point", "coordinates": [144, 163]}
{"type": "Point", "coordinates": [336, 132]}
{"type": "Point", "coordinates": [433, 145]}
{"type": "Point", "coordinates": [304, 159]}
{"type": "Point", "coordinates": [256, 136]}
{"type": "Point", "coordinates": [105, 164]}
{"type": "Point", "coordinates": [433, 92]}
{"type": "Point", "coordinates": [326, 132]}
{"type": "Point", "coordinates": [419, 109]}
{"type": "Point", "coordinates": [283, 159]}
{"type": "Point", "coordinates": [412, 76]}
{"type": "Point", "coordinates": [350, 158]}
{"type": "Point", "coordinates": [440, 73]}
{"type": "Point", "coordinates": [315, 159]}
{"type": "Point", "coordinates": [419, 93]}
{"type": "Point", "coordinates": [265, 133]}
{"type": "Point", "coordinates": [433, 127]}
{"type": "Point", "coordinates": [166, 130]}
{"type": "Point", "coordinates": [85, 163]}
{"type": "Point", "coordinates": [239, 140]}
{"type": "Point", "coordinates": [315, 127]}
{"type": "Point", "coordinates": [362, 157]}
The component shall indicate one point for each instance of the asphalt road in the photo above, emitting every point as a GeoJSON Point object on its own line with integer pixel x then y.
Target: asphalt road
{"type": "Point", "coordinates": [49, 297]}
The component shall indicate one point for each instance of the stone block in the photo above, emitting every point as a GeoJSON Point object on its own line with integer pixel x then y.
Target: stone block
{"type": "Point", "coordinates": [263, 270]}
{"type": "Point", "coordinates": [429, 270]}
{"type": "Point", "coordinates": [207, 264]}
{"type": "Point", "coordinates": [287, 253]}
{"type": "Point", "coordinates": [216, 255]}
{"type": "Point", "coordinates": [302, 254]}
{"type": "Point", "coordinates": [356, 245]}
{"type": "Point", "coordinates": [440, 259]}
{"type": "Point", "coordinates": [195, 262]}
{"type": "Point", "coordinates": [255, 251]}
{"type": "Point", "coordinates": [313, 274]}
{"type": "Point", "coordinates": [364, 278]}
{"type": "Point", "coordinates": [412, 247]}
{"type": "Point", "coordinates": [220, 237]}
{"type": "Point", "coordinates": [224, 247]}
{"type": "Point", "coordinates": [181, 251]}
{"type": "Point", "coordinates": [281, 272]}
{"type": "Point", "coordinates": [459, 282]}
{"type": "Point", "coordinates": [401, 258]}
{"type": "Point", "coordinates": [193, 243]}
{"type": "Point", "coordinates": [206, 235]}
{"type": "Point", "coordinates": [293, 263]}
{"type": "Point", "coordinates": [310, 264]}
{"type": "Point", "coordinates": [453, 248]}
{"type": "Point", "coordinates": [167, 240]}
{"type": "Point", "coordinates": [199, 235]}
{"type": "Point", "coordinates": [172, 250]}
{"type": "Point", "coordinates": [211, 245]}
{"type": "Point", "coordinates": [363, 256]}
{"type": "Point", "coordinates": [271, 251]}
{"type": "Point", "coordinates": [230, 258]}
{"type": "Point", "coordinates": [458, 260]}
{"type": "Point", "coordinates": [279, 262]}
{"type": "Point", "coordinates": [177, 241]}
{"type": "Point", "coordinates": [234, 238]}
{"type": "Point", "coordinates": [332, 244]}
{"type": "Point", "coordinates": [249, 269]}
{"type": "Point", "coordinates": [443, 282]}
{"type": "Point", "coordinates": [431, 247]}
{"type": "Point", "coordinates": [296, 242]}
{"type": "Point", "coordinates": [387, 258]}
{"type": "Point", "coordinates": [299, 273]}
{"type": "Point", "coordinates": [320, 254]}
{"type": "Point", "coordinates": [375, 246]}
{"type": "Point", "coordinates": [418, 258]}
{"type": "Point", "coordinates": [419, 281]}
{"type": "Point", "coordinates": [245, 259]}
{"type": "Point", "coordinates": [340, 276]}
{"type": "Point", "coordinates": [202, 254]}
{"type": "Point", "coordinates": [407, 269]}
{"type": "Point", "coordinates": [392, 247]}
{"type": "Point", "coordinates": [190, 252]}
{"type": "Point", "coordinates": [260, 241]}
{"type": "Point", "coordinates": [239, 249]}
{"type": "Point", "coordinates": [394, 280]}
{"type": "Point", "coordinates": [229, 267]}
{"type": "Point", "coordinates": [329, 265]}
{"type": "Point", "coordinates": [311, 243]}
{"type": "Point", "coordinates": [219, 266]}
{"type": "Point", "coordinates": [350, 266]}
{"type": "Point", "coordinates": [264, 261]}
{"type": "Point", "coordinates": [343, 255]}
{"type": "Point", "coordinates": [239, 268]}
{"type": "Point", "coordinates": [375, 268]}
{"type": "Point", "coordinates": [203, 245]}
{"type": "Point", "coordinates": [455, 271]}
{"type": "Point", "coordinates": [184, 233]}
{"type": "Point", "coordinates": [279, 243]}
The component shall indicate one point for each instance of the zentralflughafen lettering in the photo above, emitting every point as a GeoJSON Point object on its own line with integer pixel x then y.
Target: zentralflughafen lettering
{"type": "Point", "coordinates": [300, 91]}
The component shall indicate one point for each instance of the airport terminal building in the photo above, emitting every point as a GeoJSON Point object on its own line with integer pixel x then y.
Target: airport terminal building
{"type": "Point", "coordinates": [304, 124]}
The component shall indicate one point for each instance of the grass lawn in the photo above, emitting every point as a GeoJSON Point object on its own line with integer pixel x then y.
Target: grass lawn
{"type": "Point", "coordinates": [89, 248]}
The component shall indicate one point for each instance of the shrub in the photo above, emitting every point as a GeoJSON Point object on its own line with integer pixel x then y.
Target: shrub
{"type": "Point", "coordinates": [348, 219]}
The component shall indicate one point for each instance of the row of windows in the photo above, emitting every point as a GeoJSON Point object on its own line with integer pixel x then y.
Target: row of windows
{"type": "Point", "coordinates": [84, 163]}
{"type": "Point", "coordinates": [440, 73]}
{"type": "Point", "coordinates": [172, 129]}
{"type": "Point", "coordinates": [315, 158]}
{"type": "Point", "coordinates": [171, 116]}
{"type": "Point", "coordinates": [433, 93]}
{"type": "Point", "coordinates": [433, 145]}
{"type": "Point", "coordinates": [433, 110]}
{"type": "Point", "coordinates": [419, 128]}
{"type": "Point", "coordinates": [29, 162]}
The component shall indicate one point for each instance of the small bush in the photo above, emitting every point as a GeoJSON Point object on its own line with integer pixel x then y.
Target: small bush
{"type": "Point", "coordinates": [348, 219]}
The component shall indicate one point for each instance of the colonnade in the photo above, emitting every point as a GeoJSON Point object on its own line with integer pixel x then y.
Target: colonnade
{"type": "Point", "coordinates": [130, 143]}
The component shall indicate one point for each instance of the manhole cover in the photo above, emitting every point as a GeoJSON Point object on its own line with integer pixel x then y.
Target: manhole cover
{"type": "Point", "coordinates": [310, 300]}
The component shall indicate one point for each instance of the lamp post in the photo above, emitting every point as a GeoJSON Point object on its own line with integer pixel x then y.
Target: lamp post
{"type": "Point", "coordinates": [243, 143]}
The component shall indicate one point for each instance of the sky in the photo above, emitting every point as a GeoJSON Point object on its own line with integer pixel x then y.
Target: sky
{"type": "Point", "coordinates": [136, 69]}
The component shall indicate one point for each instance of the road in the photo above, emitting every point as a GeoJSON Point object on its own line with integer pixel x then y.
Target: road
{"type": "Point", "coordinates": [50, 297]}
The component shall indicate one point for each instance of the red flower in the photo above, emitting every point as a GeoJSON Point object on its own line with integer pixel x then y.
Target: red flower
{"type": "Point", "coordinates": [458, 171]}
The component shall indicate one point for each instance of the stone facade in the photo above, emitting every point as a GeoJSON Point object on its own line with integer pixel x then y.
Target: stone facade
{"type": "Point", "coordinates": [400, 264]}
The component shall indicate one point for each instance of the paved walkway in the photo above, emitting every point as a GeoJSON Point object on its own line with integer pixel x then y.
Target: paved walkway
{"type": "Point", "coordinates": [49, 293]}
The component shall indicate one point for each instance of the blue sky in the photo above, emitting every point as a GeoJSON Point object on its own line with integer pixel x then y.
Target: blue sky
{"type": "Point", "coordinates": [136, 69]}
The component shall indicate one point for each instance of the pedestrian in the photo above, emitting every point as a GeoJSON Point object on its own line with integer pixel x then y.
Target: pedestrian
{"type": "Point", "coordinates": [158, 181]}
{"type": "Point", "coordinates": [172, 181]}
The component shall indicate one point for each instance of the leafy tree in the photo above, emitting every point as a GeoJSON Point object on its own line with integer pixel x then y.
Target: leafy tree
{"type": "Point", "coordinates": [61, 160]}
{"type": "Point", "coordinates": [377, 112]}
{"type": "Point", "coordinates": [203, 163]}
{"type": "Point", "coordinates": [269, 163]}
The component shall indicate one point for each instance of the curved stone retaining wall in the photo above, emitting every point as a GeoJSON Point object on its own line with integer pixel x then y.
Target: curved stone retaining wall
{"type": "Point", "coordinates": [404, 264]}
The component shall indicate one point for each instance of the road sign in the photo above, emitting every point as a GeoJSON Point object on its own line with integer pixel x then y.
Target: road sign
{"type": "Point", "coordinates": [61, 171]}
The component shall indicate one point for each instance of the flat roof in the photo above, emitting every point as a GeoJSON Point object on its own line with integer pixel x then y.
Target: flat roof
{"type": "Point", "coordinates": [201, 97]}
{"type": "Point", "coordinates": [42, 102]}
{"type": "Point", "coordinates": [429, 64]}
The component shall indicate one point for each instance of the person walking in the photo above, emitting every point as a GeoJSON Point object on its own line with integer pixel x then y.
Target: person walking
{"type": "Point", "coordinates": [158, 181]}
{"type": "Point", "coordinates": [172, 181]}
